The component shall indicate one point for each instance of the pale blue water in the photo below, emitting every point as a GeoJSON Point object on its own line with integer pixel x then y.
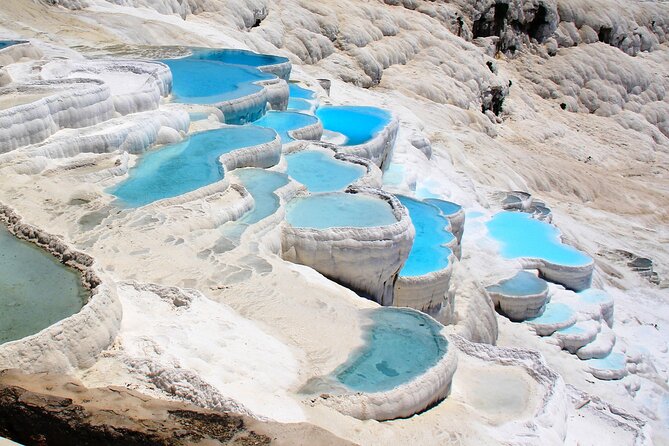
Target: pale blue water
{"type": "Point", "coordinates": [237, 57]}
{"type": "Point", "coordinates": [522, 236]}
{"type": "Point", "coordinates": [300, 92]}
{"type": "Point", "coordinates": [284, 122]}
{"type": "Point", "coordinates": [359, 124]}
{"type": "Point", "coordinates": [300, 105]}
{"type": "Point", "coordinates": [399, 346]}
{"type": "Point", "coordinates": [428, 253]}
{"type": "Point", "coordinates": [321, 172]}
{"type": "Point", "coordinates": [594, 296]}
{"type": "Point", "coordinates": [446, 207]}
{"type": "Point", "coordinates": [522, 284]}
{"type": "Point", "coordinates": [186, 166]}
{"type": "Point", "coordinates": [339, 209]}
{"type": "Point", "coordinates": [210, 82]}
{"type": "Point", "coordinates": [572, 330]}
{"type": "Point", "coordinates": [614, 361]}
{"type": "Point", "coordinates": [36, 290]}
{"type": "Point", "coordinates": [553, 314]}
{"type": "Point", "coordinates": [6, 43]}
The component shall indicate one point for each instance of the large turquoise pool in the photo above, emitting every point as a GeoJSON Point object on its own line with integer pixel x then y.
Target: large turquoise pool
{"type": "Point", "coordinates": [284, 122]}
{"type": "Point", "coordinates": [359, 124]}
{"type": "Point", "coordinates": [322, 172]}
{"type": "Point", "coordinates": [186, 166]}
{"type": "Point", "coordinates": [36, 290]}
{"type": "Point", "coordinates": [237, 57]}
{"type": "Point", "coordinates": [428, 252]}
{"type": "Point", "coordinates": [520, 235]}
{"type": "Point", "coordinates": [400, 345]}
{"type": "Point", "coordinates": [339, 209]}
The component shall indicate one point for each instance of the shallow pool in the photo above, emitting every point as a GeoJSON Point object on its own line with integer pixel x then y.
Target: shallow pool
{"type": "Point", "coordinates": [339, 209]}
{"type": "Point", "coordinates": [196, 81]}
{"type": "Point", "coordinates": [186, 166]}
{"type": "Point", "coordinates": [300, 92]}
{"type": "Point", "coordinates": [237, 57]}
{"type": "Point", "coordinates": [322, 172]}
{"type": "Point", "coordinates": [554, 313]}
{"type": "Point", "coordinates": [36, 290]}
{"type": "Point", "coordinates": [446, 207]}
{"type": "Point", "coordinates": [400, 345]}
{"type": "Point", "coordinates": [300, 105]}
{"type": "Point", "coordinates": [613, 361]}
{"type": "Point", "coordinates": [6, 43]}
{"type": "Point", "coordinates": [284, 122]}
{"type": "Point", "coordinates": [520, 235]}
{"type": "Point", "coordinates": [522, 284]}
{"type": "Point", "coordinates": [359, 124]}
{"type": "Point", "coordinates": [428, 252]}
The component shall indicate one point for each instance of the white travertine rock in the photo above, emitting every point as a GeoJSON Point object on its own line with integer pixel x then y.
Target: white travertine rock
{"type": "Point", "coordinates": [18, 52]}
{"type": "Point", "coordinates": [520, 308]}
{"type": "Point", "coordinates": [601, 346]}
{"type": "Point", "coordinates": [578, 335]}
{"type": "Point", "coordinates": [573, 277]}
{"type": "Point", "coordinates": [379, 149]}
{"type": "Point", "coordinates": [365, 259]}
{"type": "Point", "coordinates": [425, 293]}
{"type": "Point", "coordinates": [262, 155]}
{"type": "Point", "coordinates": [71, 103]}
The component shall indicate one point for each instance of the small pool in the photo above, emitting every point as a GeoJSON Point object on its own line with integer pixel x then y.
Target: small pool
{"type": "Point", "coordinates": [400, 345]}
{"type": "Point", "coordinates": [594, 296]}
{"type": "Point", "coordinates": [300, 105]}
{"type": "Point", "coordinates": [522, 284]}
{"type": "Point", "coordinates": [522, 236]}
{"type": "Point", "coordinates": [237, 57]}
{"type": "Point", "coordinates": [613, 361]}
{"type": "Point", "coordinates": [339, 209]}
{"type": "Point", "coordinates": [36, 290]}
{"type": "Point", "coordinates": [284, 122]}
{"type": "Point", "coordinates": [196, 81]}
{"type": "Point", "coordinates": [357, 123]}
{"type": "Point", "coordinates": [5, 43]}
{"type": "Point", "coordinates": [300, 92]}
{"type": "Point", "coordinates": [555, 313]}
{"type": "Point", "coordinates": [446, 207]}
{"type": "Point", "coordinates": [428, 252]}
{"type": "Point", "coordinates": [186, 166]}
{"type": "Point", "coordinates": [322, 172]}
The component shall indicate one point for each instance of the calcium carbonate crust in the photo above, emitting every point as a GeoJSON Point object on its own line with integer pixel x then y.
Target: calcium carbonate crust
{"type": "Point", "coordinates": [520, 308]}
{"type": "Point", "coordinates": [379, 149]}
{"type": "Point", "coordinates": [425, 292]}
{"type": "Point", "coordinates": [16, 53]}
{"type": "Point", "coordinates": [76, 341]}
{"type": "Point", "coordinates": [402, 401]}
{"type": "Point", "coordinates": [71, 103]}
{"type": "Point", "coordinates": [366, 260]}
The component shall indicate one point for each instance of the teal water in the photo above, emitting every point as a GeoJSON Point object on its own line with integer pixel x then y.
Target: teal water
{"type": "Point", "coordinates": [36, 290]}
{"type": "Point", "coordinates": [300, 92]}
{"type": "Point", "coordinates": [186, 166]}
{"type": "Point", "coordinates": [553, 314]}
{"type": "Point", "coordinates": [6, 43]}
{"type": "Point", "coordinates": [594, 296]}
{"type": "Point", "coordinates": [196, 81]}
{"type": "Point", "coordinates": [446, 207]}
{"type": "Point", "coordinates": [399, 346]}
{"type": "Point", "coordinates": [522, 284]}
{"type": "Point", "coordinates": [522, 236]}
{"type": "Point", "coordinates": [300, 105]}
{"type": "Point", "coordinates": [359, 124]}
{"type": "Point", "coordinates": [283, 122]}
{"type": "Point", "coordinates": [614, 361]}
{"type": "Point", "coordinates": [428, 252]}
{"type": "Point", "coordinates": [337, 210]}
{"type": "Point", "coordinates": [321, 172]}
{"type": "Point", "coordinates": [237, 57]}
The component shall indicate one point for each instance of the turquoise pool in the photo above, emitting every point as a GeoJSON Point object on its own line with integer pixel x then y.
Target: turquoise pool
{"type": "Point", "coordinates": [359, 124]}
{"type": "Point", "coordinates": [446, 207]}
{"type": "Point", "coordinates": [554, 313]}
{"type": "Point", "coordinates": [400, 345]}
{"type": "Point", "coordinates": [522, 284]}
{"type": "Point", "coordinates": [284, 122]}
{"type": "Point", "coordinates": [186, 166]}
{"type": "Point", "coordinates": [339, 209]}
{"type": "Point", "coordinates": [428, 252]}
{"type": "Point", "coordinates": [237, 57]}
{"type": "Point", "coordinates": [322, 172]}
{"type": "Point", "coordinates": [520, 235]}
{"type": "Point", "coordinates": [300, 92]}
{"type": "Point", "coordinates": [36, 290]}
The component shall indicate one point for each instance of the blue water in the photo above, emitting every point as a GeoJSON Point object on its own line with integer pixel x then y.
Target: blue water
{"type": "Point", "coordinates": [522, 284]}
{"type": "Point", "coordinates": [321, 172]}
{"type": "Point", "coordinates": [36, 290]}
{"type": "Point", "coordinates": [261, 184]}
{"type": "Point", "coordinates": [446, 207]}
{"type": "Point", "coordinates": [614, 361]}
{"type": "Point", "coordinates": [522, 236]}
{"type": "Point", "coordinates": [300, 105]}
{"type": "Point", "coordinates": [359, 124]}
{"type": "Point", "coordinates": [186, 166]}
{"type": "Point", "coordinates": [339, 209]}
{"type": "Point", "coordinates": [594, 296]}
{"type": "Point", "coordinates": [284, 122]}
{"type": "Point", "coordinates": [210, 82]}
{"type": "Point", "coordinates": [300, 92]}
{"type": "Point", "coordinates": [572, 330]}
{"type": "Point", "coordinates": [237, 57]}
{"type": "Point", "coordinates": [400, 345]}
{"type": "Point", "coordinates": [6, 43]}
{"type": "Point", "coordinates": [428, 252]}
{"type": "Point", "coordinates": [553, 314]}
